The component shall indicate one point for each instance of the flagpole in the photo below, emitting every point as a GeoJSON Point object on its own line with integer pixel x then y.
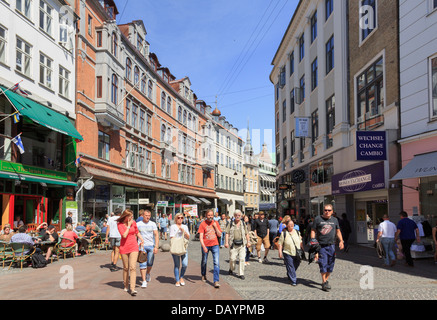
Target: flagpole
{"type": "Point", "coordinates": [11, 115]}
{"type": "Point", "coordinates": [125, 96]}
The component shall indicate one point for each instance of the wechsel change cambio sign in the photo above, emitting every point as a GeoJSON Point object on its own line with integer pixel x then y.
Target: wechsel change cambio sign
{"type": "Point", "coordinates": [371, 146]}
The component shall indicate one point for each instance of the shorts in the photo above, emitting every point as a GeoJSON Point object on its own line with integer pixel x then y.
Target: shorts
{"type": "Point", "coordinates": [115, 242]}
{"type": "Point", "coordinates": [150, 257]}
{"type": "Point", "coordinates": [327, 258]}
{"type": "Point", "coordinates": [264, 241]}
{"type": "Point", "coordinates": [163, 229]}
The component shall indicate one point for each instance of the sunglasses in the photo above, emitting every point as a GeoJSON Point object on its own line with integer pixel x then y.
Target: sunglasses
{"type": "Point", "coordinates": [179, 218]}
{"type": "Point", "coordinates": [327, 210]}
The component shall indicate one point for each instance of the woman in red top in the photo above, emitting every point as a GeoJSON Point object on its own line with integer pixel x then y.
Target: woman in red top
{"type": "Point", "coordinates": [129, 248]}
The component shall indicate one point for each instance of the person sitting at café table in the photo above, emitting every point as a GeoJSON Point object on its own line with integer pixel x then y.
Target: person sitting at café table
{"type": "Point", "coordinates": [87, 238]}
{"type": "Point", "coordinates": [80, 227]}
{"type": "Point", "coordinates": [51, 239]}
{"type": "Point", "coordinates": [41, 229]}
{"type": "Point", "coordinates": [70, 234]}
{"type": "Point", "coordinates": [6, 233]}
{"type": "Point", "coordinates": [23, 237]}
{"type": "Point", "coordinates": [18, 222]}
{"type": "Point", "coordinates": [95, 227]}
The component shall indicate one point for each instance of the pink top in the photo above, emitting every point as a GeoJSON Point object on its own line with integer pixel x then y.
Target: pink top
{"type": "Point", "coordinates": [130, 243]}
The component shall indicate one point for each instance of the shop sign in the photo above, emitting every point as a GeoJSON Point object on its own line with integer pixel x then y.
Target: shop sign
{"type": "Point", "coordinates": [363, 179]}
{"type": "Point", "coordinates": [371, 146]}
{"type": "Point", "coordinates": [143, 201]}
{"type": "Point", "coordinates": [190, 209]}
{"type": "Point", "coordinates": [162, 204]}
{"type": "Point", "coordinates": [34, 171]}
{"type": "Point", "coordinates": [71, 206]}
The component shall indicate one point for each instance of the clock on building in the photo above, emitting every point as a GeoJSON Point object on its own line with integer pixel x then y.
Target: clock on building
{"type": "Point", "coordinates": [298, 176]}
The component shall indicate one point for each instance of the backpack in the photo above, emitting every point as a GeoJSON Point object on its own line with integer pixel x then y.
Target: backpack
{"type": "Point", "coordinates": [38, 261]}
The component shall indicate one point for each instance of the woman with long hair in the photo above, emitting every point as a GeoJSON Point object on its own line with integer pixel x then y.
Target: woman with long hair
{"type": "Point", "coordinates": [129, 248]}
{"type": "Point", "coordinates": [179, 230]}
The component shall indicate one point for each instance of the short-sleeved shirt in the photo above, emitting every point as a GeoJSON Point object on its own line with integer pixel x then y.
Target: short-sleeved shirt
{"type": "Point", "coordinates": [261, 227]}
{"type": "Point", "coordinates": [176, 233]}
{"type": "Point", "coordinates": [128, 244]}
{"type": "Point", "coordinates": [209, 234]}
{"type": "Point", "coordinates": [274, 225]}
{"type": "Point", "coordinates": [71, 235]}
{"type": "Point", "coordinates": [408, 229]}
{"type": "Point", "coordinates": [326, 229]}
{"type": "Point", "coordinates": [388, 229]}
{"type": "Point", "coordinates": [146, 230]}
{"type": "Point", "coordinates": [163, 222]}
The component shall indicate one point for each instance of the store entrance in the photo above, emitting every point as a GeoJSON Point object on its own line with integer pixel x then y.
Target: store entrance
{"type": "Point", "coordinates": [369, 215]}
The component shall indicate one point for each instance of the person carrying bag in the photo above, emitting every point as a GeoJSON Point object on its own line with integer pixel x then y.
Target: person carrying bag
{"type": "Point", "coordinates": [179, 236]}
{"type": "Point", "coordinates": [291, 250]}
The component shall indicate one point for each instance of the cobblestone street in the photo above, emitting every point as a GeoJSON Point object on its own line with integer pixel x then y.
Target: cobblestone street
{"type": "Point", "coordinates": [93, 280]}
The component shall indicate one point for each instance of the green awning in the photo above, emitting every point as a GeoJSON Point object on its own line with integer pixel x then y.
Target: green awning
{"type": "Point", "coordinates": [43, 115]}
{"type": "Point", "coordinates": [28, 178]}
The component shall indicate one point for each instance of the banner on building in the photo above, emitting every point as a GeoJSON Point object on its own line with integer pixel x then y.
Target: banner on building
{"type": "Point", "coordinates": [302, 128]}
{"type": "Point", "coordinates": [71, 206]}
{"type": "Point", "coordinates": [371, 146]}
{"type": "Point", "coordinates": [190, 209]}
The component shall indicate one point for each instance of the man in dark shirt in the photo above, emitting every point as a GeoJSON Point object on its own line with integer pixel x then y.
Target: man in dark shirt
{"type": "Point", "coordinates": [325, 229]}
{"type": "Point", "coordinates": [262, 232]}
{"type": "Point", "coordinates": [50, 237]}
{"type": "Point", "coordinates": [407, 232]}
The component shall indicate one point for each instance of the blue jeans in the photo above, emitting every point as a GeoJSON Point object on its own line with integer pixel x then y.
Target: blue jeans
{"type": "Point", "coordinates": [215, 256]}
{"type": "Point", "coordinates": [150, 257]}
{"type": "Point", "coordinates": [177, 265]}
{"type": "Point", "coordinates": [222, 239]}
{"type": "Point", "coordinates": [291, 263]}
{"type": "Point", "coordinates": [388, 245]}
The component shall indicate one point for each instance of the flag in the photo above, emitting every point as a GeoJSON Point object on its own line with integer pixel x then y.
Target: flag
{"type": "Point", "coordinates": [17, 89]}
{"type": "Point", "coordinates": [77, 162]}
{"type": "Point", "coordinates": [16, 117]}
{"type": "Point", "coordinates": [19, 143]}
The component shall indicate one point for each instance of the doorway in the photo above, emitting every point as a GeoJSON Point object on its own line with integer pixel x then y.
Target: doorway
{"type": "Point", "coordinates": [368, 216]}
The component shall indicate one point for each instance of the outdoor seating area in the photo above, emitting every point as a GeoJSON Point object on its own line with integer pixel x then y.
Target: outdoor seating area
{"type": "Point", "coordinates": [18, 254]}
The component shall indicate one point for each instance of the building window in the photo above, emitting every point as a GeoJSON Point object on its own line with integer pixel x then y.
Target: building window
{"type": "Point", "coordinates": [99, 85]}
{"type": "Point", "coordinates": [434, 4]}
{"type": "Point", "coordinates": [136, 75]}
{"type": "Point", "coordinates": [314, 27]}
{"type": "Point", "coordinates": [3, 44]}
{"type": "Point", "coordinates": [99, 39]}
{"type": "Point", "coordinates": [128, 69]}
{"type": "Point", "coordinates": [314, 131]}
{"type": "Point", "coordinates": [114, 47]}
{"type": "Point", "coordinates": [292, 143]}
{"type": "Point", "coordinates": [45, 17]}
{"type": "Point", "coordinates": [434, 85]}
{"type": "Point", "coordinates": [284, 149]}
{"type": "Point", "coordinates": [143, 84]}
{"type": "Point", "coordinates": [314, 75]}
{"type": "Point", "coordinates": [169, 105]}
{"type": "Point", "coordinates": [301, 47]}
{"type": "Point", "coordinates": [24, 6]}
{"type": "Point", "coordinates": [330, 121]}
{"type": "Point", "coordinates": [64, 82]}
{"type": "Point", "coordinates": [291, 63]}
{"type": "Point", "coordinates": [370, 97]}
{"type": "Point", "coordinates": [329, 8]}
{"type": "Point", "coordinates": [330, 55]}
{"type": "Point", "coordinates": [284, 110]}
{"type": "Point", "coordinates": [180, 114]}
{"type": "Point", "coordinates": [302, 89]}
{"type": "Point", "coordinates": [104, 146]}
{"type": "Point", "coordinates": [148, 124]}
{"type": "Point", "coordinates": [45, 70]}
{"type": "Point", "coordinates": [368, 18]}
{"type": "Point", "coordinates": [24, 57]}
{"type": "Point", "coordinates": [163, 132]}
{"type": "Point", "coordinates": [90, 25]}
{"type": "Point", "coordinates": [114, 89]}
{"type": "Point", "coordinates": [292, 101]}
{"type": "Point", "coordinates": [128, 110]}
{"type": "Point", "coordinates": [134, 115]}
{"type": "Point", "coordinates": [150, 89]}
{"type": "Point", "coordinates": [302, 149]}
{"type": "Point", "coordinates": [184, 118]}
{"type": "Point", "coordinates": [163, 99]}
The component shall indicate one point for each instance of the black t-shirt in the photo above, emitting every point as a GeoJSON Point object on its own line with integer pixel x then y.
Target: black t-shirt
{"type": "Point", "coordinates": [46, 236]}
{"type": "Point", "coordinates": [261, 227]}
{"type": "Point", "coordinates": [326, 229]}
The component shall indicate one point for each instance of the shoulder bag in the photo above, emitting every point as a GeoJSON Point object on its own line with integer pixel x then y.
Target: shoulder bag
{"type": "Point", "coordinates": [178, 246]}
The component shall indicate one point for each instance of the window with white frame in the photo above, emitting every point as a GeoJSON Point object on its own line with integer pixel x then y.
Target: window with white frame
{"type": "Point", "coordinates": [3, 44]}
{"type": "Point", "coordinates": [45, 17]}
{"type": "Point", "coordinates": [24, 57]}
{"type": "Point", "coordinates": [128, 111]}
{"type": "Point", "coordinates": [150, 89]}
{"type": "Point", "coordinates": [64, 82]}
{"type": "Point", "coordinates": [142, 120]}
{"type": "Point", "coordinates": [45, 70]}
{"type": "Point", "coordinates": [134, 122]}
{"type": "Point", "coordinates": [104, 146]}
{"type": "Point", "coordinates": [434, 86]}
{"type": "Point", "coordinates": [25, 7]}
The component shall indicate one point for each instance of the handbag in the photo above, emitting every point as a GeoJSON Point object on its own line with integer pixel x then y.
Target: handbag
{"type": "Point", "coordinates": [142, 257]}
{"type": "Point", "coordinates": [178, 246]}
{"type": "Point", "coordinates": [300, 254]}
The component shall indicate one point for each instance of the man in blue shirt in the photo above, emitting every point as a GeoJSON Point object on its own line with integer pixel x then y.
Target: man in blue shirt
{"type": "Point", "coordinates": [407, 232]}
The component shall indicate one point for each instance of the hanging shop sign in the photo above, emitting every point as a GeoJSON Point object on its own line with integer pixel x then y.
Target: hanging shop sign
{"type": "Point", "coordinates": [371, 145]}
{"type": "Point", "coordinates": [302, 127]}
{"type": "Point", "coordinates": [363, 179]}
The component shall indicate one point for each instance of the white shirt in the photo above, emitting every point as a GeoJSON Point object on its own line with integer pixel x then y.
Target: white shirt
{"type": "Point", "coordinates": [388, 229]}
{"type": "Point", "coordinates": [146, 230]}
{"type": "Point", "coordinates": [175, 232]}
{"type": "Point", "coordinates": [113, 229]}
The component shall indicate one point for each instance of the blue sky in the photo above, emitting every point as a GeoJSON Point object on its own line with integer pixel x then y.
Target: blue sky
{"type": "Point", "coordinates": [225, 47]}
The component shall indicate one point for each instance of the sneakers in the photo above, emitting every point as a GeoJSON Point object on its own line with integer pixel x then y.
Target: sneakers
{"type": "Point", "coordinates": [144, 284]}
{"type": "Point", "coordinates": [325, 286]}
{"type": "Point", "coordinates": [133, 293]}
{"type": "Point", "coordinates": [242, 277]}
{"type": "Point", "coordinates": [216, 285]}
{"type": "Point", "coordinates": [266, 260]}
{"type": "Point", "coordinates": [260, 260]}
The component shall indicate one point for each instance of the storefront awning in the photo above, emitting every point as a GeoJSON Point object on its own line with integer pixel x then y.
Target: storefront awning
{"type": "Point", "coordinates": [42, 115]}
{"type": "Point", "coordinates": [421, 166]}
{"type": "Point", "coordinates": [225, 201]}
{"type": "Point", "coordinates": [194, 199]}
{"type": "Point", "coordinates": [268, 178]}
{"type": "Point", "coordinates": [240, 202]}
{"type": "Point", "coordinates": [28, 178]}
{"type": "Point", "coordinates": [207, 202]}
